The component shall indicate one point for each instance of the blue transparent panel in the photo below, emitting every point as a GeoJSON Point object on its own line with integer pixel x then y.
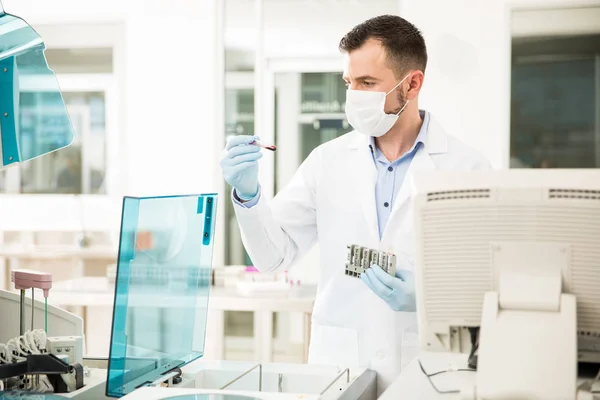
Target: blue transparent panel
{"type": "Point", "coordinates": [162, 288]}
{"type": "Point", "coordinates": [28, 130]}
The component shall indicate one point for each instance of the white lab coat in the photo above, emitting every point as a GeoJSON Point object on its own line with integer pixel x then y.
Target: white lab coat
{"type": "Point", "coordinates": [331, 200]}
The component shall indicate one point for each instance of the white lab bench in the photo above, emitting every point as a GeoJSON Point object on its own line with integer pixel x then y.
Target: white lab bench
{"type": "Point", "coordinates": [413, 384]}
{"type": "Point", "coordinates": [201, 378]}
{"type": "Point", "coordinates": [98, 292]}
{"type": "Point", "coordinates": [12, 255]}
{"type": "Point", "coordinates": [219, 380]}
{"type": "Point", "coordinates": [55, 252]}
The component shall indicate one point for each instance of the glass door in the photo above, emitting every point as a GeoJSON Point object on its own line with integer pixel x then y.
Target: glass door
{"type": "Point", "coordinates": [321, 116]}
{"type": "Point", "coordinates": [309, 111]}
{"type": "Point", "coordinates": [239, 120]}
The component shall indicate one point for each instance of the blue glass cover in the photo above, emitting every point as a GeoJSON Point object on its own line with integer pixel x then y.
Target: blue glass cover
{"type": "Point", "coordinates": [33, 116]}
{"type": "Point", "coordinates": [162, 288]}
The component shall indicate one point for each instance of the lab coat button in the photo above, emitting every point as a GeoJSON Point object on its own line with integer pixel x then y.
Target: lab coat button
{"type": "Point", "coordinates": [380, 355]}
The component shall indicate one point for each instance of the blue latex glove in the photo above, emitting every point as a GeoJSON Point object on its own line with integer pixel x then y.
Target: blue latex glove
{"type": "Point", "coordinates": [398, 292]}
{"type": "Point", "coordinates": [240, 165]}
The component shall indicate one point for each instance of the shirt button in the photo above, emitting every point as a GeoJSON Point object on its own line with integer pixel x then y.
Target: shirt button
{"type": "Point", "coordinates": [386, 204]}
{"type": "Point", "coordinates": [390, 169]}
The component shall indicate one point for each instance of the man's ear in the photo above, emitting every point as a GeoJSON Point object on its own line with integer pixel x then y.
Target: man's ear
{"type": "Point", "coordinates": [415, 82]}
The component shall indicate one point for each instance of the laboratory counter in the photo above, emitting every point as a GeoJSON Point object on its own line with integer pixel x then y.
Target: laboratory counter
{"type": "Point", "coordinates": [98, 292]}
{"type": "Point", "coordinates": [440, 375]}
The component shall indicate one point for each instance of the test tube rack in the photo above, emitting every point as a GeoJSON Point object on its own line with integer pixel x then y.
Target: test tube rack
{"type": "Point", "coordinates": [360, 258]}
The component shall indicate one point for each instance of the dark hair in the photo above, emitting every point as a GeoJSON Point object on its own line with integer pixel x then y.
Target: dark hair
{"type": "Point", "coordinates": [402, 41]}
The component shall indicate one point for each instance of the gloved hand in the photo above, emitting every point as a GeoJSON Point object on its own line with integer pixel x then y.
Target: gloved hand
{"type": "Point", "coordinates": [240, 165]}
{"type": "Point", "coordinates": [398, 292]}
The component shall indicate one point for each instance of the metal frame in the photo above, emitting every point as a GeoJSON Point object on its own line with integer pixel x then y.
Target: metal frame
{"type": "Point", "coordinates": [549, 58]}
{"type": "Point", "coordinates": [346, 372]}
{"type": "Point", "coordinates": [234, 380]}
{"type": "Point", "coordinates": [218, 90]}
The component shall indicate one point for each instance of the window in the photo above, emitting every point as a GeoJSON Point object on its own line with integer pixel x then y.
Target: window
{"type": "Point", "coordinates": [81, 167]}
{"type": "Point", "coordinates": [323, 92]}
{"type": "Point", "coordinates": [322, 116]}
{"type": "Point", "coordinates": [85, 79]}
{"type": "Point", "coordinates": [239, 111]}
{"type": "Point", "coordinates": [555, 96]}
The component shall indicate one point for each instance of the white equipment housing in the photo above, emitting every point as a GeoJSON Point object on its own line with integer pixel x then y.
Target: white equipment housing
{"type": "Point", "coordinates": [60, 322]}
{"type": "Point", "coordinates": [525, 244]}
{"type": "Point", "coordinates": [217, 378]}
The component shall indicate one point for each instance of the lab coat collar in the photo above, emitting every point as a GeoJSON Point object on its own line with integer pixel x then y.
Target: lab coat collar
{"type": "Point", "coordinates": [363, 168]}
{"type": "Point", "coordinates": [435, 141]}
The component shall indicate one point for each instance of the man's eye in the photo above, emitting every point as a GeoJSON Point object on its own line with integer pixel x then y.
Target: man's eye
{"type": "Point", "coordinates": [368, 84]}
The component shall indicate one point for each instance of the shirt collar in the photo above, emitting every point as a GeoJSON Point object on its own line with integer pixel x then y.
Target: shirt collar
{"type": "Point", "coordinates": [421, 138]}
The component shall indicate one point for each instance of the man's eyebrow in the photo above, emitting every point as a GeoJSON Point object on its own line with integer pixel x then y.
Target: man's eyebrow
{"type": "Point", "coordinates": [363, 78]}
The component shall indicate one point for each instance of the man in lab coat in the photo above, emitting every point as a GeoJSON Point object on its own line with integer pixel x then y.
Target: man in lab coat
{"type": "Point", "coordinates": [356, 189]}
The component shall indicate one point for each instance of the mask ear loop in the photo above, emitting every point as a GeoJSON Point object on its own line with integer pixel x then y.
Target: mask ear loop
{"type": "Point", "coordinates": [399, 83]}
{"type": "Point", "coordinates": [403, 107]}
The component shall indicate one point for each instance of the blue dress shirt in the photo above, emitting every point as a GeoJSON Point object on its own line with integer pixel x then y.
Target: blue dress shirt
{"type": "Point", "coordinates": [390, 175]}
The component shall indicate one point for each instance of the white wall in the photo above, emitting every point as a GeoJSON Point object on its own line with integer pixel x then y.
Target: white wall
{"type": "Point", "coordinates": [556, 21]}
{"type": "Point", "coordinates": [298, 28]}
{"type": "Point", "coordinates": [166, 67]}
{"type": "Point", "coordinates": [170, 90]}
{"type": "Point", "coordinates": [66, 11]}
{"type": "Point", "coordinates": [466, 81]}
{"type": "Point", "coordinates": [467, 84]}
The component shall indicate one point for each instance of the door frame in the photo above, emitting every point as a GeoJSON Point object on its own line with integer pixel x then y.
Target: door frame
{"type": "Point", "coordinates": [512, 6]}
{"type": "Point", "coordinates": [286, 158]}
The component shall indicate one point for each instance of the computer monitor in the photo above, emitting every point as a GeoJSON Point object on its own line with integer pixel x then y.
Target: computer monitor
{"type": "Point", "coordinates": [469, 224]}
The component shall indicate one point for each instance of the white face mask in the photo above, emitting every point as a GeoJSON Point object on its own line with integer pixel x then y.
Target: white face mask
{"type": "Point", "coordinates": [365, 111]}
